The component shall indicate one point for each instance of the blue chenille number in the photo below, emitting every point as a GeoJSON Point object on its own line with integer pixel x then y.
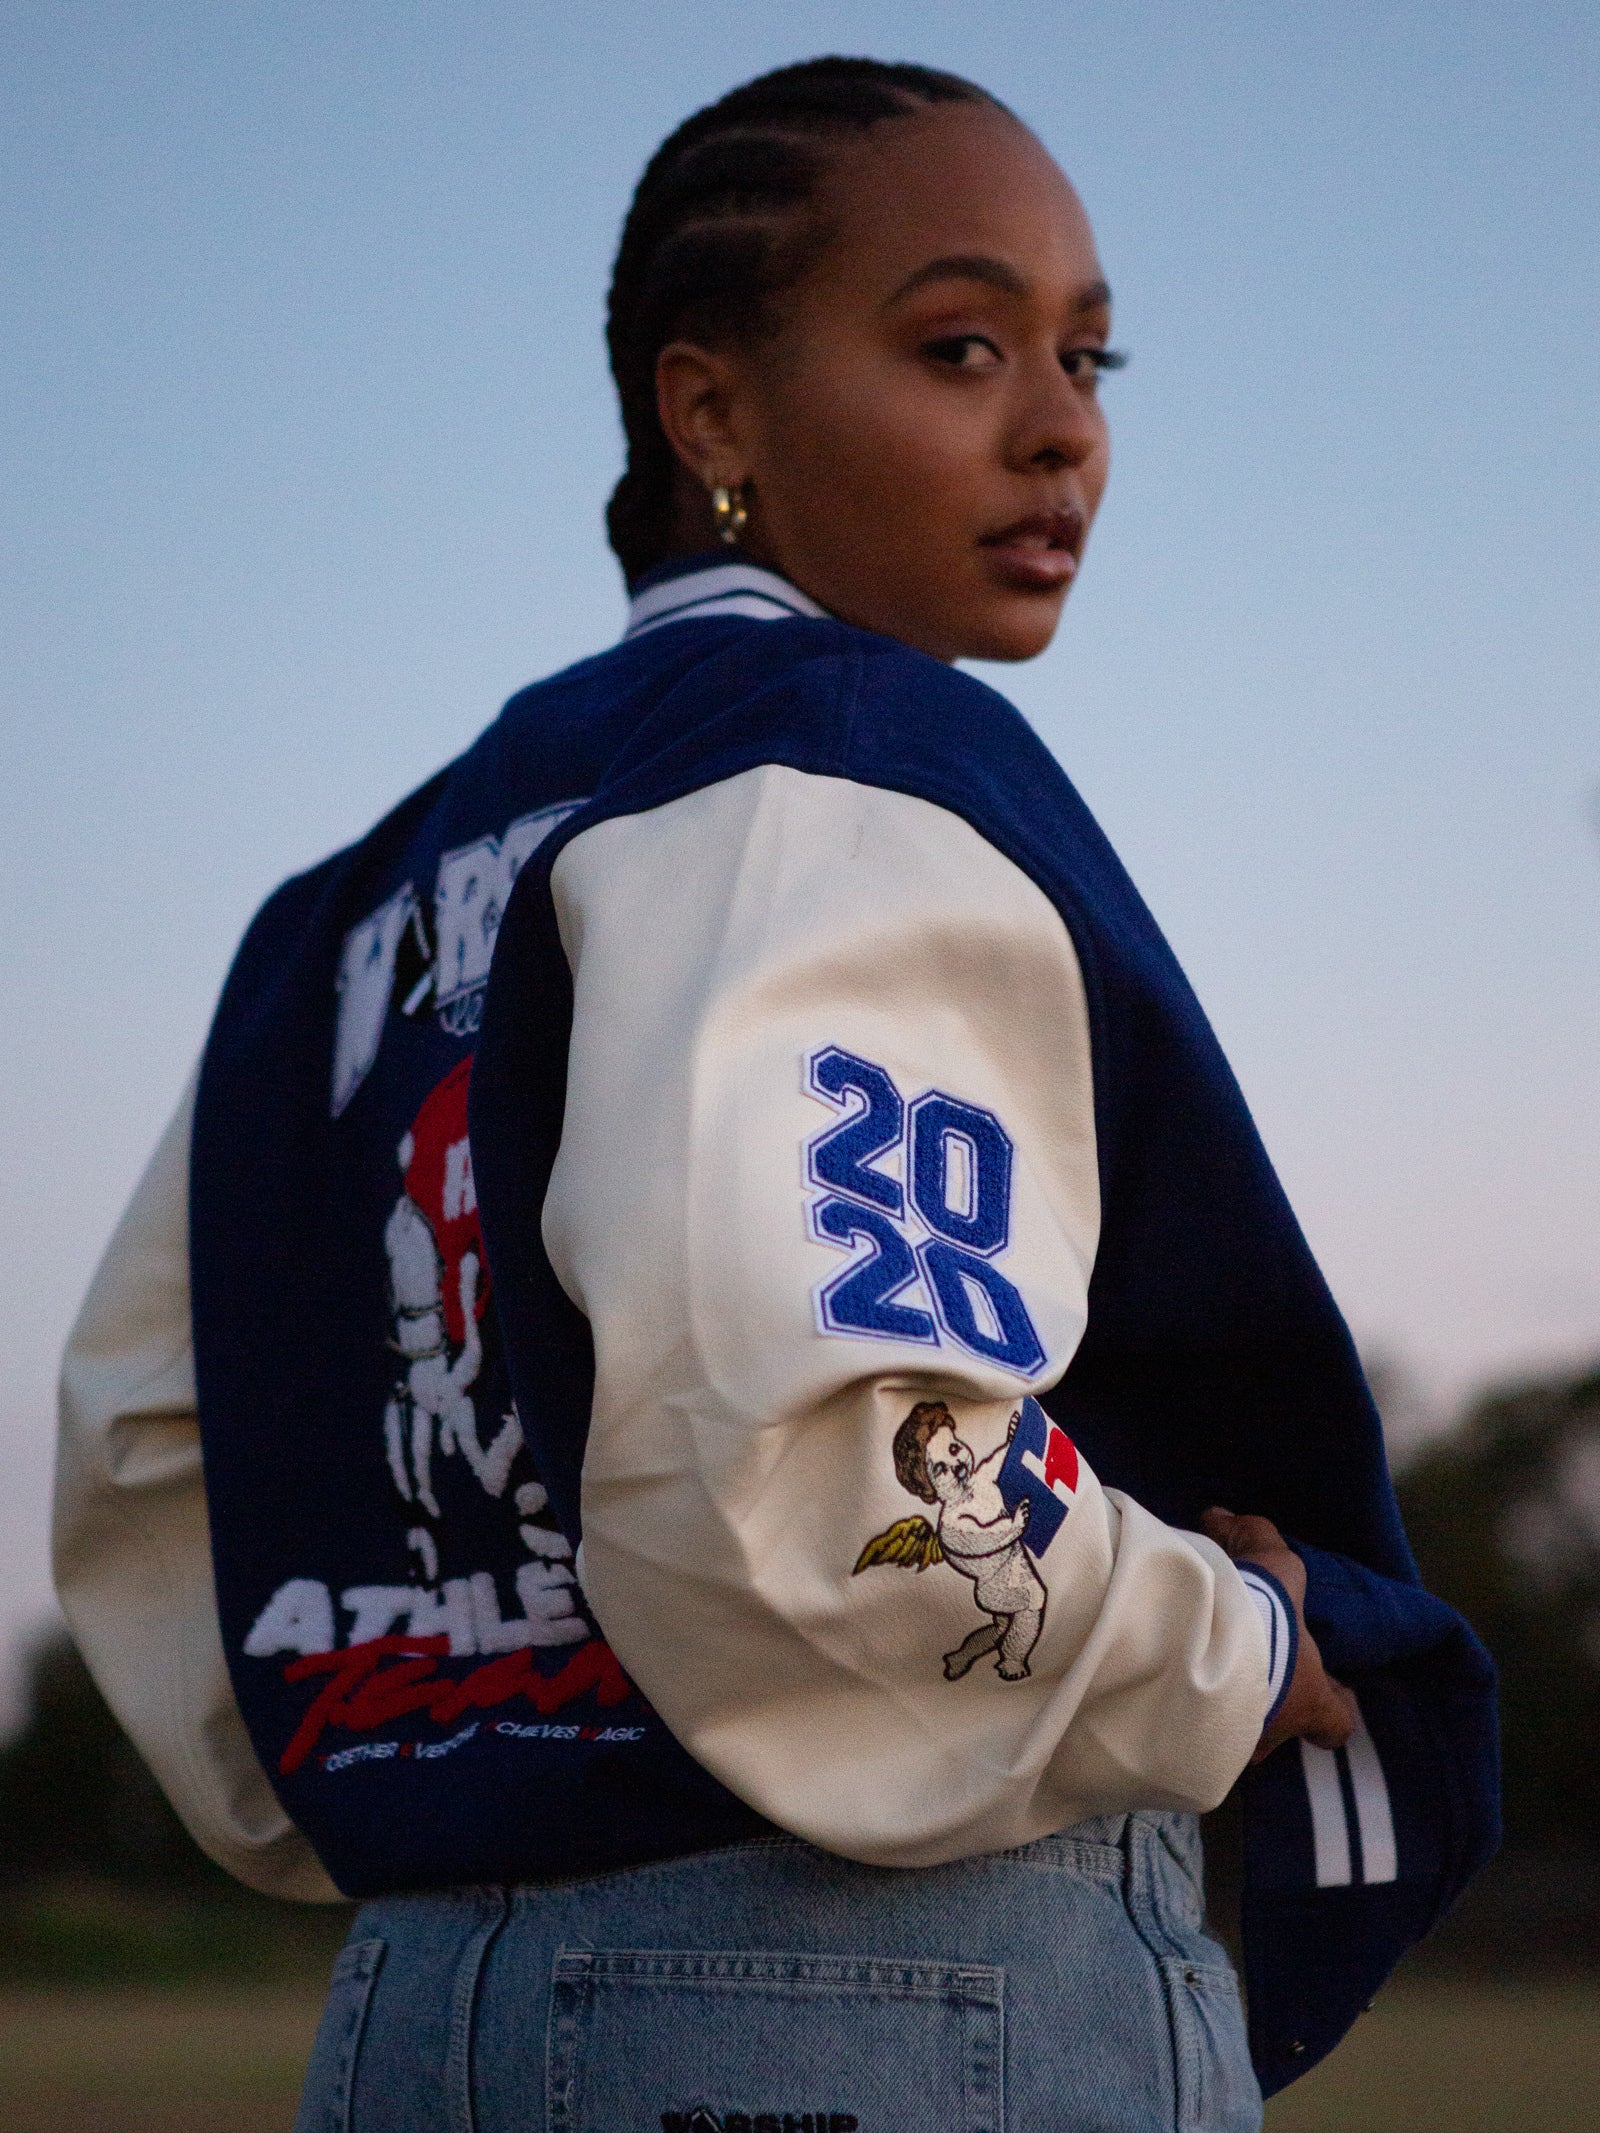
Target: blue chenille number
{"type": "Point", "coordinates": [860, 1300]}
{"type": "Point", "coordinates": [842, 1157]}
{"type": "Point", "coordinates": [961, 1172]}
{"type": "Point", "coordinates": [959, 1177]}
{"type": "Point", "coordinates": [953, 1274]}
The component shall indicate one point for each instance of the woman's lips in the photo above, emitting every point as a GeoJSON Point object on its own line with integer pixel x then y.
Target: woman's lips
{"type": "Point", "coordinates": [1037, 554]}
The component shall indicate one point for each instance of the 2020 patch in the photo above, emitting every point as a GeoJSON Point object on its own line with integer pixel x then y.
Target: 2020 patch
{"type": "Point", "coordinates": [920, 1194]}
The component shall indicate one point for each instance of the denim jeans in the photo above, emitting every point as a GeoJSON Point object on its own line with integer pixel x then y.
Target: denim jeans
{"type": "Point", "coordinates": [772, 1988]}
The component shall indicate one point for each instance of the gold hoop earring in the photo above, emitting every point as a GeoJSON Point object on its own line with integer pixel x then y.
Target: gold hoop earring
{"type": "Point", "coordinates": [732, 516]}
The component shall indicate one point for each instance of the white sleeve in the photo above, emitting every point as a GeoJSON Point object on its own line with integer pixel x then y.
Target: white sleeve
{"type": "Point", "coordinates": [828, 1155]}
{"type": "Point", "coordinates": [133, 1546]}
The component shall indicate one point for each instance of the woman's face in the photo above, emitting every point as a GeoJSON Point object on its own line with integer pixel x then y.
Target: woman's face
{"type": "Point", "coordinates": [921, 437]}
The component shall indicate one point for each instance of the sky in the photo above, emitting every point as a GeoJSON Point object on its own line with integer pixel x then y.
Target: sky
{"type": "Point", "coordinates": [307, 432]}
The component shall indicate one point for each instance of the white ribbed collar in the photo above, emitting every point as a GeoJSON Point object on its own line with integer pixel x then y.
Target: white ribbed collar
{"type": "Point", "coordinates": [715, 588]}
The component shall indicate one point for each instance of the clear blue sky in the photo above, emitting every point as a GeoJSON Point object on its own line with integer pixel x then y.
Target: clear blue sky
{"type": "Point", "coordinates": [307, 431]}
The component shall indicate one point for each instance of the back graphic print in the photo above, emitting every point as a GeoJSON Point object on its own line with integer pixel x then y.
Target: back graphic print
{"type": "Point", "coordinates": [405, 1626]}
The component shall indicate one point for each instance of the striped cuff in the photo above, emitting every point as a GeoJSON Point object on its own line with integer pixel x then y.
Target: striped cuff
{"type": "Point", "coordinates": [1279, 1621]}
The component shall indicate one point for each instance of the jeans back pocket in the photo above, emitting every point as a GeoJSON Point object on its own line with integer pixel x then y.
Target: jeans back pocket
{"type": "Point", "coordinates": [330, 2076]}
{"type": "Point", "coordinates": [661, 2041]}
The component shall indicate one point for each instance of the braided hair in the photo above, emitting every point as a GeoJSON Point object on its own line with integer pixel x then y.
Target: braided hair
{"type": "Point", "coordinates": [717, 230]}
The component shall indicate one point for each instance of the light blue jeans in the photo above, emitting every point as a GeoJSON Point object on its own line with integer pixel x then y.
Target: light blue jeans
{"type": "Point", "coordinates": [772, 1988]}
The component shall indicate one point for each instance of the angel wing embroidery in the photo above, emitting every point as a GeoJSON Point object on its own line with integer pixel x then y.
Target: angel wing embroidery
{"type": "Point", "coordinates": [910, 1543]}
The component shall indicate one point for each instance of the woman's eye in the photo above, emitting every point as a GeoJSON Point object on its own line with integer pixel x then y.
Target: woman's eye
{"type": "Point", "coordinates": [963, 351]}
{"type": "Point", "coordinates": [1084, 365]}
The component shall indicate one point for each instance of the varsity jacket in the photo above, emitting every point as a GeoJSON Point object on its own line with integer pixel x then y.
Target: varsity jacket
{"type": "Point", "coordinates": [710, 1271]}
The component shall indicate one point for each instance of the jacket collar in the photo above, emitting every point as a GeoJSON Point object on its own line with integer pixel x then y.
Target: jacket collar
{"type": "Point", "coordinates": [690, 589]}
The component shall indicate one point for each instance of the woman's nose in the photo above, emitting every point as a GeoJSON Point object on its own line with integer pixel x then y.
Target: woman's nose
{"type": "Point", "coordinates": [1062, 427]}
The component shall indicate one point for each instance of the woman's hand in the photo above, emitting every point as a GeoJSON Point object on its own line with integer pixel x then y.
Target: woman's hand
{"type": "Point", "coordinates": [1317, 1707]}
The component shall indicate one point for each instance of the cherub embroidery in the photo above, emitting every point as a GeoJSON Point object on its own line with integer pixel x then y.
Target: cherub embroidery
{"type": "Point", "coordinates": [974, 1533]}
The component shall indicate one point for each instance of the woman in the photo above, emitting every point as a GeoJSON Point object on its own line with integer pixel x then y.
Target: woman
{"type": "Point", "coordinates": [841, 1145]}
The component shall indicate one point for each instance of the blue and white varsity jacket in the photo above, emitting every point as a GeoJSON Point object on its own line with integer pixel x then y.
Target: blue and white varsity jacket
{"type": "Point", "coordinates": [711, 1270]}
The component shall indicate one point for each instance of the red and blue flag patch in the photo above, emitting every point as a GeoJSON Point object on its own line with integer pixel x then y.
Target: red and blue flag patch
{"type": "Point", "coordinates": [1041, 1469]}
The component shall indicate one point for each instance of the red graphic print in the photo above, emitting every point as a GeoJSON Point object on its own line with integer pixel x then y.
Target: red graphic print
{"type": "Point", "coordinates": [365, 1694]}
{"type": "Point", "coordinates": [438, 1177]}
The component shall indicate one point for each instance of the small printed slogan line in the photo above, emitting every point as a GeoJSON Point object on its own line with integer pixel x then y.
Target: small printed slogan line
{"type": "Point", "coordinates": [384, 1751]}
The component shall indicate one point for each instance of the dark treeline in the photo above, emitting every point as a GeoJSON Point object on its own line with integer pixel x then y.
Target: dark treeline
{"type": "Point", "coordinates": [101, 1884]}
{"type": "Point", "coordinates": [1504, 1515]}
{"type": "Point", "coordinates": [76, 1797]}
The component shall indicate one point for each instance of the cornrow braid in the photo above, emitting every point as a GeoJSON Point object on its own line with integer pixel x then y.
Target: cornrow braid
{"type": "Point", "coordinates": [717, 230]}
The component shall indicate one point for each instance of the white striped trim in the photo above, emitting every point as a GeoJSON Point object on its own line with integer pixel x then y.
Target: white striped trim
{"type": "Point", "coordinates": [1339, 1840]}
{"type": "Point", "coordinates": [1278, 1623]}
{"type": "Point", "coordinates": [719, 589]}
{"type": "Point", "coordinates": [1330, 1837]}
{"type": "Point", "coordinates": [1374, 1817]}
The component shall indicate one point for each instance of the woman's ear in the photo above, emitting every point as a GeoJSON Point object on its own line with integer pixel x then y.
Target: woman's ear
{"type": "Point", "coordinates": [695, 399]}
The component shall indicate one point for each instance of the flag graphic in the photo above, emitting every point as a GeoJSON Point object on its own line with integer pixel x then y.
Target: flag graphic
{"type": "Point", "coordinates": [1040, 1468]}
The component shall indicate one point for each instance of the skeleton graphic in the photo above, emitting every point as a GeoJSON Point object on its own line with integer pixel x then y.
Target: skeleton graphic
{"type": "Point", "coordinates": [975, 1534]}
{"type": "Point", "coordinates": [435, 1298]}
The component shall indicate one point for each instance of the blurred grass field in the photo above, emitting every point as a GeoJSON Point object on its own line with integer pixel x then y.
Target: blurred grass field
{"type": "Point", "coordinates": [153, 2060]}
{"type": "Point", "coordinates": [1454, 2057]}
{"type": "Point", "coordinates": [1432, 2057]}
